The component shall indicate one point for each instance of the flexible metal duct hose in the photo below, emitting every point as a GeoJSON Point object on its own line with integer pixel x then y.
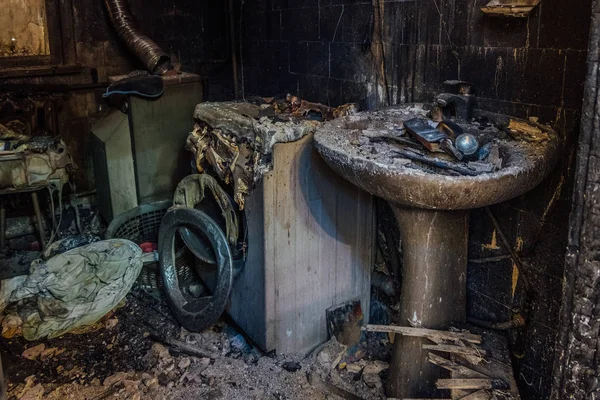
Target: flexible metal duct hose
{"type": "Point", "coordinates": [155, 59]}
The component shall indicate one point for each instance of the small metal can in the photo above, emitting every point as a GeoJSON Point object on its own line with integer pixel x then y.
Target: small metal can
{"type": "Point", "coordinates": [466, 144]}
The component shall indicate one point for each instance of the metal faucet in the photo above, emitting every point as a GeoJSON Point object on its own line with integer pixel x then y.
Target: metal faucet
{"type": "Point", "coordinates": [458, 100]}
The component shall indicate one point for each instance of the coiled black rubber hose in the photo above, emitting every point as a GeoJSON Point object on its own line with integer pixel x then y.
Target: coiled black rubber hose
{"type": "Point", "coordinates": [155, 59]}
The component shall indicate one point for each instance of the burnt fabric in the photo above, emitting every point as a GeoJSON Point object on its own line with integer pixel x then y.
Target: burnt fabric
{"type": "Point", "coordinates": [75, 288]}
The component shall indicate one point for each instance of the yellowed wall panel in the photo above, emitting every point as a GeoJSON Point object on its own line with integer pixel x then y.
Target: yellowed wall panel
{"type": "Point", "coordinates": [23, 28]}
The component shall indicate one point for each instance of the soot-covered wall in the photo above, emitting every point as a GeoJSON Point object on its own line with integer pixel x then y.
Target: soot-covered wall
{"type": "Point", "coordinates": [379, 53]}
{"type": "Point", "coordinates": [194, 33]}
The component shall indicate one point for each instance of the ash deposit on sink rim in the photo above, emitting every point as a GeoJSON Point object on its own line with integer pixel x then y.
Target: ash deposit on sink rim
{"type": "Point", "coordinates": [347, 140]}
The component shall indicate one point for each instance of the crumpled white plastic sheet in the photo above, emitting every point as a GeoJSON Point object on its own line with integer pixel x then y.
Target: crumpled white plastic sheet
{"type": "Point", "coordinates": [76, 288]}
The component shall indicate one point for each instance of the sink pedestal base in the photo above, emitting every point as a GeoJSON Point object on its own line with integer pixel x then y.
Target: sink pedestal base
{"type": "Point", "coordinates": [434, 247]}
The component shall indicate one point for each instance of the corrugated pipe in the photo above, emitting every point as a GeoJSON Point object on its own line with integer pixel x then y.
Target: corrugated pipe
{"type": "Point", "coordinates": [155, 59]}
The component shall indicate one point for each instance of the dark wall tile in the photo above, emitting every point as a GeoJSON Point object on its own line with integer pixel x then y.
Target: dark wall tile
{"type": "Point", "coordinates": [349, 62]}
{"type": "Point", "coordinates": [429, 24]}
{"type": "Point", "coordinates": [483, 307]}
{"type": "Point", "coordinates": [274, 59]}
{"type": "Point", "coordinates": [349, 1]}
{"type": "Point", "coordinates": [404, 57]}
{"type": "Point", "coordinates": [536, 76]}
{"type": "Point", "coordinates": [477, 276]}
{"type": "Point", "coordinates": [500, 282]}
{"type": "Point", "coordinates": [462, 23]}
{"type": "Point", "coordinates": [399, 25]}
{"type": "Point", "coordinates": [251, 53]}
{"type": "Point", "coordinates": [329, 20]}
{"type": "Point", "coordinates": [575, 72]}
{"type": "Point", "coordinates": [533, 384]}
{"type": "Point", "coordinates": [309, 58]}
{"type": "Point", "coordinates": [357, 23]}
{"type": "Point", "coordinates": [485, 69]}
{"type": "Point", "coordinates": [273, 25]}
{"type": "Point", "coordinates": [298, 57]}
{"type": "Point", "coordinates": [564, 24]}
{"type": "Point", "coordinates": [358, 92]}
{"type": "Point", "coordinates": [539, 349]}
{"type": "Point", "coordinates": [294, 4]}
{"type": "Point", "coordinates": [432, 67]}
{"type": "Point", "coordinates": [449, 62]}
{"type": "Point", "coordinates": [300, 25]}
{"type": "Point", "coordinates": [91, 22]}
{"type": "Point", "coordinates": [317, 58]}
{"type": "Point", "coordinates": [351, 23]}
{"type": "Point", "coordinates": [320, 89]}
{"type": "Point", "coordinates": [549, 290]}
{"type": "Point", "coordinates": [250, 82]}
{"type": "Point", "coordinates": [510, 32]}
{"type": "Point", "coordinates": [503, 107]}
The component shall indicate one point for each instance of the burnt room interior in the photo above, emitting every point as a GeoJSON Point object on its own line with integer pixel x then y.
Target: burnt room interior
{"type": "Point", "coordinates": [320, 199]}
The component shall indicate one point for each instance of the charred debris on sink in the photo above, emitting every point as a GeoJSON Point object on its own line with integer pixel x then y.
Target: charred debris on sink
{"type": "Point", "coordinates": [448, 137]}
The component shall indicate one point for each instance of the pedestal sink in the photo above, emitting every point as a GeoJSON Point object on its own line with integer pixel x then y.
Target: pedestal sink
{"type": "Point", "coordinates": [431, 208]}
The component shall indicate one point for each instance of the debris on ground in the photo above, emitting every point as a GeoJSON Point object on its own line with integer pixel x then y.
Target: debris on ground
{"type": "Point", "coordinates": [122, 359]}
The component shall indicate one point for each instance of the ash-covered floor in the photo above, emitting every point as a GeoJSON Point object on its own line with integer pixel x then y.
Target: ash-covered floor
{"type": "Point", "coordinates": [122, 357]}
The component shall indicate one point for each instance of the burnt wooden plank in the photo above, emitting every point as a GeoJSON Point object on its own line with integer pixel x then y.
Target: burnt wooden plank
{"type": "Point", "coordinates": [464, 383]}
{"type": "Point", "coordinates": [422, 332]}
{"type": "Point", "coordinates": [454, 367]}
{"type": "Point", "coordinates": [455, 349]}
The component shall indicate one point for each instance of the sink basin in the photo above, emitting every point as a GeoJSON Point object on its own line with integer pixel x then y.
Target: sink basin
{"type": "Point", "coordinates": [387, 176]}
{"type": "Point", "coordinates": [431, 206]}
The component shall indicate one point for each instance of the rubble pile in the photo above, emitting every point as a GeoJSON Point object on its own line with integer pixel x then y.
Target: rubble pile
{"type": "Point", "coordinates": [138, 352]}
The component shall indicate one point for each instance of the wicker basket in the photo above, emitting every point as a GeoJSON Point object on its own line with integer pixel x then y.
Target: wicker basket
{"type": "Point", "coordinates": [141, 224]}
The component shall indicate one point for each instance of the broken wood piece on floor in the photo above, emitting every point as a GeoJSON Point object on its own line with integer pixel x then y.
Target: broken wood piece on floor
{"type": "Point", "coordinates": [447, 348]}
{"type": "Point", "coordinates": [478, 395]}
{"type": "Point", "coordinates": [473, 359]}
{"type": "Point", "coordinates": [318, 382]}
{"type": "Point", "coordinates": [470, 383]}
{"type": "Point", "coordinates": [185, 348]}
{"type": "Point", "coordinates": [454, 367]}
{"type": "Point", "coordinates": [427, 333]}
